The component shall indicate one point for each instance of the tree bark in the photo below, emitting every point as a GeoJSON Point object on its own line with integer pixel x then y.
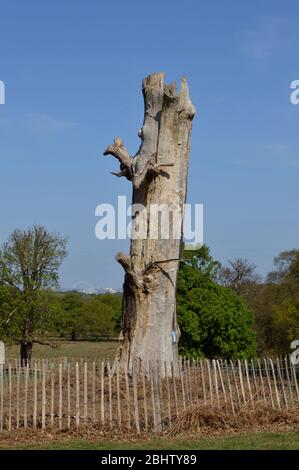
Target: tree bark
{"type": "Point", "coordinates": [26, 352]}
{"type": "Point", "coordinates": [159, 176]}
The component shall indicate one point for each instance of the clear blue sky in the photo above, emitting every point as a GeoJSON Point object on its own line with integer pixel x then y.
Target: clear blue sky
{"type": "Point", "coordinates": [73, 72]}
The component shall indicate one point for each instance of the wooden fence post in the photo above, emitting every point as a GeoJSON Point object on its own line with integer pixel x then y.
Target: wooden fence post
{"type": "Point", "coordinates": [144, 400]}
{"type": "Point", "coordinates": [1, 397]}
{"type": "Point", "coordinates": [196, 378]}
{"type": "Point", "coordinates": [282, 384]}
{"type": "Point", "coordinates": [182, 384]}
{"type": "Point", "coordinates": [135, 378]}
{"type": "Point", "coordinates": [44, 397]}
{"type": "Point", "coordinates": [189, 381]}
{"type": "Point", "coordinates": [26, 396]}
{"type": "Point", "coordinates": [35, 397]}
{"type": "Point", "coordinates": [269, 383]}
{"type": "Point", "coordinates": [174, 390]}
{"type": "Point", "coordinates": [153, 398]}
{"type": "Point", "coordinates": [94, 392]}
{"type": "Point", "coordinates": [248, 380]}
{"type": "Point", "coordinates": [203, 381]}
{"type": "Point", "coordinates": [254, 379]}
{"type": "Point", "coordinates": [241, 380]}
{"type": "Point", "coordinates": [77, 396]}
{"type": "Point", "coordinates": [216, 382]}
{"type": "Point", "coordinates": [69, 406]}
{"type": "Point", "coordinates": [210, 380]}
{"type": "Point", "coordinates": [222, 383]}
{"type": "Point", "coordinates": [9, 397]}
{"type": "Point", "coordinates": [60, 395]}
{"type": "Point", "coordinates": [236, 383]}
{"type": "Point", "coordinates": [103, 393]}
{"type": "Point", "coordinates": [289, 381]}
{"type": "Point", "coordinates": [295, 381]}
{"type": "Point", "coordinates": [168, 393]}
{"type": "Point", "coordinates": [85, 393]}
{"type": "Point", "coordinates": [229, 387]}
{"type": "Point", "coordinates": [52, 393]}
{"type": "Point", "coordinates": [275, 384]}
{"type": "Point", "coordinates": [118, 396]}
{"type": "Point", "coordinates": [18, 394]}
{"type": "Point", "coordinates": [262, 380]}
{"type": "Point", "coordinates": [157, 396]}
{"type": "Point", "coordinates": [128, 398]}
{"type": "Point", "coordinates": [110, 393]}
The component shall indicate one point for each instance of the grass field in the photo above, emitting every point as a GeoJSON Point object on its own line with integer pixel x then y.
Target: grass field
{"type": "Point", "coordinates": [86, 349]}
{"type": "Point", "coordinates": [248, 441]}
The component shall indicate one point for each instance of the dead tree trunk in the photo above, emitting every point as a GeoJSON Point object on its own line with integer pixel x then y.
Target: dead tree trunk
{"type": "Point", "coordinates": [158, 173]}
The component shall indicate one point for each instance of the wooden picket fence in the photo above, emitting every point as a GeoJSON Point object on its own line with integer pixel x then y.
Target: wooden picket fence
{"type": "Point", "coordinates": [70, 394]}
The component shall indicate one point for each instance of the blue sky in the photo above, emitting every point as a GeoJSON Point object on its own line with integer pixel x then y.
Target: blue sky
{"type": "Point", "coordinates": [73, 72]}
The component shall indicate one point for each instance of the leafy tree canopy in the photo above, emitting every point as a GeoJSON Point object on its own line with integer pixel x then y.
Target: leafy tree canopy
{"type": "Point", "coordinates": [29, 263]}
{"type": "Point", "coordinates": [96, 318]}
{"type": "Point", "coordinates": [214, 321]}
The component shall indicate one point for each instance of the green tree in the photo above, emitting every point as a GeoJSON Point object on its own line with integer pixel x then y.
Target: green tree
{"type": "Point", "coordinates": [29, 263]}
{"type": "Point", "coordinates": [287, 267]}
{"type": "Point", "coordinates": [275, 305]}
{"type": "Point", "coordinates": [115, 301]}
{"type": "Point", "coordinates": [96, 319]}
{"type": "Point", "coordinates": [286, 322]}
{"type": "Point", "coordinates": [214, 321]}
{"type": "Point", "coordinates": [262, 299]}
{"type": "Point", "coordinates": [239, 275]}
{"type": "Point", "coordinates": [71, 304]}
{"type": "Point", "coordinates": [200, 260]}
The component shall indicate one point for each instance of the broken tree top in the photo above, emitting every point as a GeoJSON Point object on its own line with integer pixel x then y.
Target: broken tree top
{"type": "Point", "coordinates": [157, 95]}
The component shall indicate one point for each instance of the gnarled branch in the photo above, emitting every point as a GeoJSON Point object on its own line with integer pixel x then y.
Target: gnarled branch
{"type": "Point", "coordinates": [151, 169]}
{"type": "Point", "coordinates": [124, 260]}
{"type": "Point", "coordinates": [153, 264]}
{"type": "Point", "coordinates": [136, 278]}
{"type": "Point", "coordinates": [119, 151]}
{"type": "Point", "coordinates": [127, 164]}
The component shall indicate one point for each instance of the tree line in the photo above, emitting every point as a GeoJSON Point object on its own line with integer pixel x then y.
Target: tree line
{"type": "Point", "coordinates": [231, 311]}
{"type": "Point", "coordinates": [223, 311]}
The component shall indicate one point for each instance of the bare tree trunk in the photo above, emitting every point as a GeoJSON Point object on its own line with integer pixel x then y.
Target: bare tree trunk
{"type": "Point", "coordinates": [159, 176]}
{"type": "Point", "coordinates": [26, 352]}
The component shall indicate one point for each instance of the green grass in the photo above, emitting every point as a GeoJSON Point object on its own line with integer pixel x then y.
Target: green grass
{"type": "Point", "coordinates": [86, 349]}
{"type": "Point", "coordinates": [248, 441]}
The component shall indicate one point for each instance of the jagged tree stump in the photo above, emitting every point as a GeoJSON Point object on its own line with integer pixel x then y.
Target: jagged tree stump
{"type": "Point", "coordinates": [158, 173]}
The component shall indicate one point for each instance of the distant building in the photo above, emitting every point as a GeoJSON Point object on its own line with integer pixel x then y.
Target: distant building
{"type": "Point", "coordinates": [109, 290]}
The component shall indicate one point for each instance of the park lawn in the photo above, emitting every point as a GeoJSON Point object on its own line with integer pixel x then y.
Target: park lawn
{"type": "Point", "coordinates": [244, 441]}
{"type": "Point", "coordinates": [76, 349]}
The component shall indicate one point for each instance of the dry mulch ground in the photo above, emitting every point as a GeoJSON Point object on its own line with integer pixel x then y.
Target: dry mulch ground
{"type": "Point", "coordinates": [196, 421]}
